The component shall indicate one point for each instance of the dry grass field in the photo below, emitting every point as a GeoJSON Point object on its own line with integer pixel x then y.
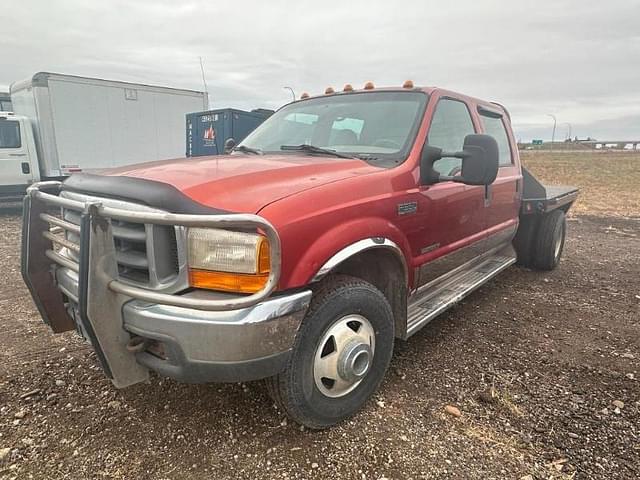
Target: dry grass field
{"type": "Point", "coordinates": [609, 181]}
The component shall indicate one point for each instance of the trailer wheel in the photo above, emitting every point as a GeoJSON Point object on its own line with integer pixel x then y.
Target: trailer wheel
{"type": "Point", "coordinates": [549, 240]}
{"type": "Point", "coordinates": [340, 355]}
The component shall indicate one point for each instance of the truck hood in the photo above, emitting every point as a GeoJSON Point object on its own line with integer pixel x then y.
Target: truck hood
{"type": "Point", "coordinates": [246, 183]}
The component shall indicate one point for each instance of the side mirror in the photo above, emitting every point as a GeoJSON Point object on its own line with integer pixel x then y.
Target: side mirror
{"type": "Point", "coordinates": [480, 157]}
{"type": "Point", "coordinates": [481, 160]}
{"type": "Point", "coordinates": [229, 143]}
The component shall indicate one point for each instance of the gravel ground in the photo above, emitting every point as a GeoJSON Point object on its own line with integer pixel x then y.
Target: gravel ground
{"type": "Point", "coordinates": [542, 366]}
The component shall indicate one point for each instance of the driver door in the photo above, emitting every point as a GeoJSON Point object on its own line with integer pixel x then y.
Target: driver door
{"type": "Point", "coordinates": [453, 213]}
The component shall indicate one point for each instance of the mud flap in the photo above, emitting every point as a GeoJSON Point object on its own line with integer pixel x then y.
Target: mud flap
{"type": "Point", "coordinates": [102, 316]}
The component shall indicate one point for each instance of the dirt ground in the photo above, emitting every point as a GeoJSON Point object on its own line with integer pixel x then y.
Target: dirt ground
{"type": "Point", "coordinates": [543, 366]}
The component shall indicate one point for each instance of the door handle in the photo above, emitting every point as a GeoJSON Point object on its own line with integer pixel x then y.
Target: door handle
{"type": "Point", "coordinates": [17, 154]}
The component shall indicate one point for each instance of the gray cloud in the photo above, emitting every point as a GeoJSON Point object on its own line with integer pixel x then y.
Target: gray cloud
{"type": "Point", "coordinates": [575, 60]}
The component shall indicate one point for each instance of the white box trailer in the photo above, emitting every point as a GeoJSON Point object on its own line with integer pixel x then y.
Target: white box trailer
{"type": "Point", "coordinates": [84, 124]}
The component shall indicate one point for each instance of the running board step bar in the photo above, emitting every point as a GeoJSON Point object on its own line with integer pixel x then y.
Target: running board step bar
{"type": "Point", "coordinates": [425, 305]}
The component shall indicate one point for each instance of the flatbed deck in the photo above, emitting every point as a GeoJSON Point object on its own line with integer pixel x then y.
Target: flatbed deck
{"type": "Point", "coordinates": [538, 198]}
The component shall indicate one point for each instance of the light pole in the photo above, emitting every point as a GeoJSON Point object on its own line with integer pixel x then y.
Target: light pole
{"type": "Point", "coordinates": [553, 133]}
{"type": "Point", "coordinates": [293, 94]}
{"type": "Point", "coordinates": [568, 130]}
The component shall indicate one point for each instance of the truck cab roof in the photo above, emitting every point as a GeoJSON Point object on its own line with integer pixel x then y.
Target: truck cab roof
{"type": "Point", "coordinates": [429, 90]}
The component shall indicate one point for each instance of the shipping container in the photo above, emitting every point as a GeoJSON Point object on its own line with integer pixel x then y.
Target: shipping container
{"type": "Point", "coordinates": [208, 131]}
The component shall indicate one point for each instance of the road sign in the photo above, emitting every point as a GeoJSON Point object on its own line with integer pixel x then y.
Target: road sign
{"type": "Point", "coordinates": [536, 142]}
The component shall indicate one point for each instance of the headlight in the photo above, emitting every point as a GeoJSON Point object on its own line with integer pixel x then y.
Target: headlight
{"type": "Point", "coordinates": [227, 261]}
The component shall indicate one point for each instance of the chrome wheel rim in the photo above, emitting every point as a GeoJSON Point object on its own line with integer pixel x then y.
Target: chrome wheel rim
{"type": "Point", "coordinates": [344, 355]}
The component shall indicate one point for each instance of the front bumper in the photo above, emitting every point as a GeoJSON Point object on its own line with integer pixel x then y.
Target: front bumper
{"type": "Point", "coordinates": [195, 337]}
{"type": "Point", "coordinates": [231, 346]}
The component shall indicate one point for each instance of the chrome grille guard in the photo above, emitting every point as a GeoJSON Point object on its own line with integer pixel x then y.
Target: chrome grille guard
{"type": "Point", "coordinates": [101, 294]}
{"type": "Point", "coordinates": [96, 211]}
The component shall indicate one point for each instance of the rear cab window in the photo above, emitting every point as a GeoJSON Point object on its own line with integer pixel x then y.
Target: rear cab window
{"type": "Point", "coordinates": [299, 126]}
{"type": "Point", "coordinates": [10, 134]}
{"type": "Point", "coordinates": [493, 124]}
{"type": "Point", "coordinates": [345, 131]}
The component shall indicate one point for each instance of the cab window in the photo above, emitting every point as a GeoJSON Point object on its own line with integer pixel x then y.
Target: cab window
{"type": "Point", "coordinates": [9, 134]}
{"type": "Point", "coordinates": [451, 122]}
{"type": "Point", "coordinates": [494, 126]}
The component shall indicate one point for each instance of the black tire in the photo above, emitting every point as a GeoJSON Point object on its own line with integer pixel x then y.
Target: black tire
{"type": "Point", "coordinates": [549, 240]}
{"type": "Point", "coordinates": [524, 241]}
{"type": "Point", "coordinates": [295, 390]}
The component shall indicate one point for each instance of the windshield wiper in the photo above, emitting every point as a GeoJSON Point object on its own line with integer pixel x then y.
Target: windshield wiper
{"type": "Point", "coordinates": [313, 149]}
{"type": "Point", "coordinates": [245, 149]}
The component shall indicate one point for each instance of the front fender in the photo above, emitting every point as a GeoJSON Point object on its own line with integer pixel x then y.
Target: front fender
{"type": "Point", "coordinates": [345, 240]}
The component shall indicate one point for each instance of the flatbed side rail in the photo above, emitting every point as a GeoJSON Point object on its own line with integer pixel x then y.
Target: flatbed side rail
{"type": "Point", "coordinates": [47, 193]}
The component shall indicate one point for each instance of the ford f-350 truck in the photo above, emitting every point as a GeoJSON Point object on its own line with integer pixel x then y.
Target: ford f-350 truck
{"type": "Point", "coordinates": [344, 222]}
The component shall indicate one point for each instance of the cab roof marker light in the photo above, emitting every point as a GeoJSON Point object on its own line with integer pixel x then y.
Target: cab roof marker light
{"type": "Point", "coordinates": [369, 86]}
{"type": "Point", "coordinates": [407, 84]}
{"type": "Point", "coordinates": [304, 95]}
{"type": "Point", "coordinates": [329, 90]}
{"type": "Point", "coordinates": [347, 88]}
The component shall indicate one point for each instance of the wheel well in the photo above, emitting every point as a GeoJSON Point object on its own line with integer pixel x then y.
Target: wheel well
{"type": "Point", "coordinates": [384, 270]}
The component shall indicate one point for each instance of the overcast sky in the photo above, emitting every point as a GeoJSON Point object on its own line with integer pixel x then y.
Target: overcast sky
{"type": "Point", "coordinates": [579, 60]}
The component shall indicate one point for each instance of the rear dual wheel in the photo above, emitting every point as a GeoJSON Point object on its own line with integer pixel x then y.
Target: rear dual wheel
{"type": "Point", "coordinates": [341, 353]}
{"type": "Point", "coordinates": [540, 240]}
{"type": "Point", "coordinates": [549, 241]}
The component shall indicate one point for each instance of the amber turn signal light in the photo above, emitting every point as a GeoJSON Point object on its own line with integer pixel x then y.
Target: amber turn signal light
{"type": "Point", "coordinates": [228, 282]}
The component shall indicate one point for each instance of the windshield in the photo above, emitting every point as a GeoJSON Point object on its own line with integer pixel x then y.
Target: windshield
{"type": "Point", "coordinates": [376, 126]}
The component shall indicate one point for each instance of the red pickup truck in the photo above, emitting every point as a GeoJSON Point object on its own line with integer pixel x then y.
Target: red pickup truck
{"type": "Point", "coordinates": [344, 222]}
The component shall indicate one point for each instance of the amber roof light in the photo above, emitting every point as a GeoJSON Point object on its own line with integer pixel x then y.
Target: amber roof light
{"type": "Point", "coordinates": [407, 84]}
{"type": "Point", "coordinates": [304, 95]}
{"type": "Point", "coordinates": [329, 90]}
{"type": "Point", "coordinates": [347, 88]}
{"type": "Point", "coordinates": [369, 86]}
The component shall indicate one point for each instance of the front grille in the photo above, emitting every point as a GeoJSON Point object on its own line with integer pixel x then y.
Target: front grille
{"type": "Point", "coordinates": [146, 254]}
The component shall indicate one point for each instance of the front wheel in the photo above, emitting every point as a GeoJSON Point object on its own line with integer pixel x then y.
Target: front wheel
{"type": "Point", "coordinates": [340, 356]}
